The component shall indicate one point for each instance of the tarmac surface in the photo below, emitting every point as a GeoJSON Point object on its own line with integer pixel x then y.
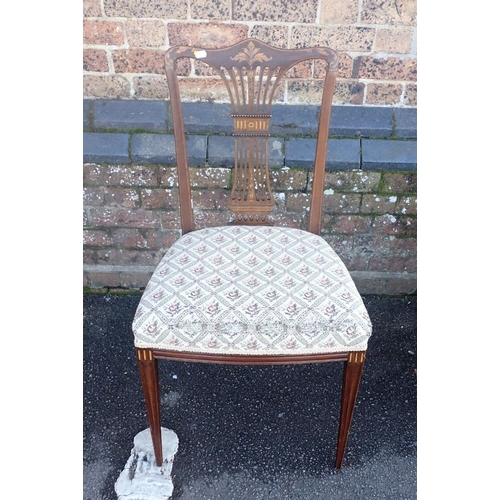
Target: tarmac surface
{"type": "Point", "coordinates": [255, 432]}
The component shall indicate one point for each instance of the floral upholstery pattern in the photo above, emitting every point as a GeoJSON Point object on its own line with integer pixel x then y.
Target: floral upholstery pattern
{"type": "Point", "coordinates": [259, 290]}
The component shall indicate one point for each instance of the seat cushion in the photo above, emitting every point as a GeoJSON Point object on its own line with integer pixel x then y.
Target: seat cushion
{"type": "Point", "coordinates": [251, 290]}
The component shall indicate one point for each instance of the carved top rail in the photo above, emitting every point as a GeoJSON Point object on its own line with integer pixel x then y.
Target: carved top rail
{"type": "Point", "coordinates": [251, 71]}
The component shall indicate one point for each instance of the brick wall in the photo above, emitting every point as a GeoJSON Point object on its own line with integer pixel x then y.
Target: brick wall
{"type": "Point", "coordinates": [124, 41]}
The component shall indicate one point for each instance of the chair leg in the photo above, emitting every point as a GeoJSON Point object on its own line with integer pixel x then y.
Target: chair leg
{"type": "Point", "coordinates": [353, 368]}
{"type": "Point", "coordinates": [148, 368]}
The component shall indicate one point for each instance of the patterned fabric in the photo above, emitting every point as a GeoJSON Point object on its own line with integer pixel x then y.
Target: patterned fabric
{"type": "Point", "coordinates": [251, 290]}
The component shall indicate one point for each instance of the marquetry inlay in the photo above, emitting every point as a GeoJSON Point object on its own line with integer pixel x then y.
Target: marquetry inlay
{"type": "Point", "coordinates": [145, 354]}
{"type": "Point", "coordinates": [251, 123]}
{"type": "Point", "coordinates": [357, 356]}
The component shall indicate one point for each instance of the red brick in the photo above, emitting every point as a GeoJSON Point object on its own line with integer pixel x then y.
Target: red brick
{"type": "Point", "coordinates": [395, 224]}
{"type": "Point", "coordinates": [161, 239]}
{"type": "Point", "coordinates": [284, 180]}
{"type": "Point", "coordinates": [380, 204]}
{"type": "Point", "coordinates": [93, 196]}
{"type": "Point", "coordinates": [349, 92]}
{"type": "Point", "coordinates": [105, 87]}
{"type": "Point", "coordinates": [204, 90]}
{"type": "Point", "coordinates": [403, 246]}
{"type": "Point", "coordinates": [350, 223]}
{"type": "Point", "coordinates": [121, 197]}
{"type": "Point", "coordinates": [298, 202]}
{"type": "Point", "coordinates": [139, 61]}
{"type": "Point", "coordinates": [341, 203]}
{"type": "Point", "coordinates": [274, 35]}
{"type": "Point", "coordinates": [410, 98]}
{"type": "Point", "coordinates": [96, 238]}
{"type": "Point", "coordinates": [276, 11]}
{"type": "Point", "coordinates": [210, 200]}
{"type": "Point", "coordinates": [119, 217]}
{"type": "Point", "coordinates": [390, 68]}
{"type": "Point", "coordinates": [360, 181]}
{"type": "Point", "coordinates": [150, 87]}
{"type": "Point", "coordinates": [210, 177]}
{"type": "Point", "coordinates": [400, 182]}
{"type": "Point", "coordinates": [128, 238]}
{"type": "Point", "coordinates": [287, 220]}
{"type": "Point", "coordinates": [119, 175]}
{"type": "Point", "coordinates": [407, 205]}
{"type": "Point", "coordinates": [210, 9]}
{"type": "Point", "coordinates": [95, 60]}
{"type": "Point", "coordinates": [383, 93]}
{"type": "Point", "coordinates": [103, 33]}
{"type": "Point", "coordinates": [173, 9]}
{"type": "Point", "coordinates": [207, 35]}
{"type": "Point", "coordinates": [154, 199]}
{"type": "Point", "coordinates": [126, 257]}
{"type": "Point", "coordinates": [171, 220]}
{"type": "Point", "coordinates": [372, 243]}
{"type": "Point", "coordinates": [389, 12]}
{"type": "Point", "coordinates": [211, 218]}
{"type": "Point", "coordinates": [341, 38]}
{"type": "Point", "coordinates": [92, 8]}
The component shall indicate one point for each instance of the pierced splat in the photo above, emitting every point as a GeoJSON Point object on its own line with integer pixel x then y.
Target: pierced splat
{"type": "Point", "coordinates": [251, 72]}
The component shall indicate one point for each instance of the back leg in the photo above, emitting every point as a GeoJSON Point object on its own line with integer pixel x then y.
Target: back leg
{"type": "Point", "coordinates": [353, 368]}
{"type": "Point", "coordinates": [148, 368]}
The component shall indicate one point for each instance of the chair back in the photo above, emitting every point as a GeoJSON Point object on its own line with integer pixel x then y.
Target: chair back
{"type": "Point", "coordinates": [251, 71]}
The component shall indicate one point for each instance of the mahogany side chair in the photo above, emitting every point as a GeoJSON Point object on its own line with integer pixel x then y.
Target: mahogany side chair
{"type": "Point", "coordinates": [251, 293]}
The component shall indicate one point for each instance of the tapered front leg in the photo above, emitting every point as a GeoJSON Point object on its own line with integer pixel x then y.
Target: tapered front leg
{"type": "Point", "coordinates": [353, 368]}
{"type": "Point", "coordinates": [148, 367]}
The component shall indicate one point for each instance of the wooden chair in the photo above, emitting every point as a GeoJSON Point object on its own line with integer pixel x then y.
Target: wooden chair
{"type": "Point", "coordinates": [251, 293]}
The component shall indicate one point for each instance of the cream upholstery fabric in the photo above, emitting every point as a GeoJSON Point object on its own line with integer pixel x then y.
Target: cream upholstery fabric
{"type": "Point", "coordinates": [251, 290]}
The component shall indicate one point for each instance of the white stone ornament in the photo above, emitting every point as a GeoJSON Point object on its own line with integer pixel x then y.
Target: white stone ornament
{"type": "Point", "coordinates": [142, 479]}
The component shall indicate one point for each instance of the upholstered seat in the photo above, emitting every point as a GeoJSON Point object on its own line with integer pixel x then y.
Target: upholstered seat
{"type": "Point", "coordinates": [261, 290]}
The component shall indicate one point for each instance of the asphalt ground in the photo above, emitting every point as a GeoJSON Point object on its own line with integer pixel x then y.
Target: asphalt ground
{"type": "Point", "coordinates": [255, 432]}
